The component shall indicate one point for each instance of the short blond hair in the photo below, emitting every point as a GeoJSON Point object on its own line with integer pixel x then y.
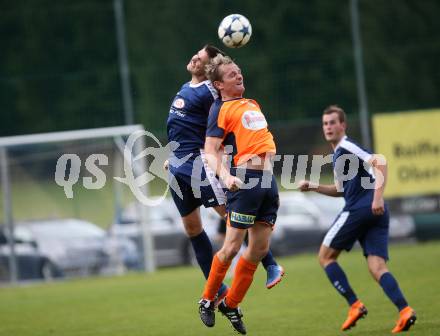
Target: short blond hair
{"type": "Point", "coordinates": [212, 69]}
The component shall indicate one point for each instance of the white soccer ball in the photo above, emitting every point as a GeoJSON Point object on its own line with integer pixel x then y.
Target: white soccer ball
{"type": "Point", "coordinates": [235, 31]}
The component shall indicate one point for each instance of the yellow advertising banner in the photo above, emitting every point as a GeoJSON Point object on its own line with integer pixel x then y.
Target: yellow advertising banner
{"type": "Point", "coordinates": [410, 142]}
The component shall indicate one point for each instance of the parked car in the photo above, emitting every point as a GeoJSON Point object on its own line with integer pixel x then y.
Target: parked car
{"type": "Point", "coordinates": [211, 221]}
{"type": "Point", "coordinates": [402, 227]}
{"type": "Point", "coordinates": [171, 245]}
{"type": "Point", "coordinates": [329, 207]}
{"type": "Point", "coordinates": [299, 225]}
{"type": "Point", "coordinates": [31, 264]}
{"type": "Point", "coordinates": [74, 246]}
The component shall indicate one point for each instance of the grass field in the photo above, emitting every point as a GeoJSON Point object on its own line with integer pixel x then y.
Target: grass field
{"type": "Point", "coordinates": [164, 303]}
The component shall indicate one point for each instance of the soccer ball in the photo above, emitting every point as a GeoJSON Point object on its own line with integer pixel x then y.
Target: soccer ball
{"type": "Point", "coordinates": [235, 31]}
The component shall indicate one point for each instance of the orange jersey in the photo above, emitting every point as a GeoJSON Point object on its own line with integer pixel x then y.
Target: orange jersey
{"type": "Point", "coordinates": [240, 123]}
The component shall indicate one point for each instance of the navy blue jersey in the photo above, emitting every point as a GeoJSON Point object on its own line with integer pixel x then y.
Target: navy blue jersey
{"type": "Point", "coordinates": [188, 116]}
{"type": "Point", "coordinates": [353, 174]}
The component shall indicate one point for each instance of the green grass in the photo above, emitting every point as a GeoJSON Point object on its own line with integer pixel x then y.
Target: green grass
{"type": "Point", "coordinates": [164, 303]}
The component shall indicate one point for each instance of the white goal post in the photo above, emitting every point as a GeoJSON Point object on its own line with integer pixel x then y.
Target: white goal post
{"type": "Point", "coordinates": [114, 134]}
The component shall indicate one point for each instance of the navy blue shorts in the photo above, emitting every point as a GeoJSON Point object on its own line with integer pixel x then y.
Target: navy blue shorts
{"type": "Point", "coordinates": [194, 184]}
{"type": "Point", "coordinates": [360, 225]}
{"type": "Point", "coordinates": [259, 203]}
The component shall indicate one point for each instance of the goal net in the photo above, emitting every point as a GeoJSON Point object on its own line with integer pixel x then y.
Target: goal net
{"type": "Point", "coordinates": [64, 192]}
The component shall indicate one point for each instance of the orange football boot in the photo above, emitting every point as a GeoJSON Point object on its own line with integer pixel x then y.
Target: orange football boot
{"type": "Point", "coordinates": [357, 311]}
{"type": "Point", "coordinates": [406, 319]}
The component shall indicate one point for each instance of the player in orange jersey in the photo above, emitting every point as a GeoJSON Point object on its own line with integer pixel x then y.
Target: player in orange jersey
{"type": "Point", "coordinates": [193, 183]}
{"type": "Point", "coordinates": [252, 196]}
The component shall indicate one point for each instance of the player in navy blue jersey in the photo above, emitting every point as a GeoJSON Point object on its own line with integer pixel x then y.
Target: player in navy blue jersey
{"type": "Point", "coordinates": [360, 177]}
{"type": "Point", "coordinates": [193, 182]}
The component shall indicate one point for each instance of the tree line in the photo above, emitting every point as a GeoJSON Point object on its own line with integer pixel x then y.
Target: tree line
{"type": "Point", "coordinates": [59, 60]}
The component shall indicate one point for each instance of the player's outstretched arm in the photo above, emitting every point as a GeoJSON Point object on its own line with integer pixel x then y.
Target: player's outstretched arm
{"type": "Point", "coordinates": [214, 155]}
{"type": "Point", "coordinates": [325, 189]}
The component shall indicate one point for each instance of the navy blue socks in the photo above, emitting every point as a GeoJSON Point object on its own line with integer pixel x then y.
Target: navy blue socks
{"type": "Point", "coordinates": [339, 280]}
{"type": "Point", "coordinates": [268, 260]}
{"type": "Point", "coordinates": [203, 250]}
{"type": "Point", "coordinates": [392, 290]}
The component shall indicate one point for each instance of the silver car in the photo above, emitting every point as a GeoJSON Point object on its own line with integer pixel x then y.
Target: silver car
{"type": "Point", "coordinates": [74, 246]}
{"type": "Point", "coordinates": [329, 207]}
{"type": "Point", "coordinates": [171, 245]}
{"type": "Point", "coordinates": [31, 264]}
{"type": "Point", "coordinates": [299, 225]}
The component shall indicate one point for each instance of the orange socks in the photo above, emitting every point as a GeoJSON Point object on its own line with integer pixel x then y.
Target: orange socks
{"type": "Point", "coordinates": [243, 276]}
{"type": "Point", "coordinates": [215, 279]}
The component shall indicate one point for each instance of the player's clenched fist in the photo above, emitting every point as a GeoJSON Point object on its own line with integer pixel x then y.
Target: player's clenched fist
{"type": "Point", "coordinates": [233, 183]}
{"type": "Point", "coordinates": [304, 185]}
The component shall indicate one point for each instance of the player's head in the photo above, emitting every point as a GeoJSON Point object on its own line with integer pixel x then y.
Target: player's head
{"type": "Point", "coordinates": [334, 123]}
{"type": "Point", "coordinates": [226, 77]}
{"type": "Point", "coordinates": [197, 63]}
{"type": "Point", "coordinates": [212, 51]}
